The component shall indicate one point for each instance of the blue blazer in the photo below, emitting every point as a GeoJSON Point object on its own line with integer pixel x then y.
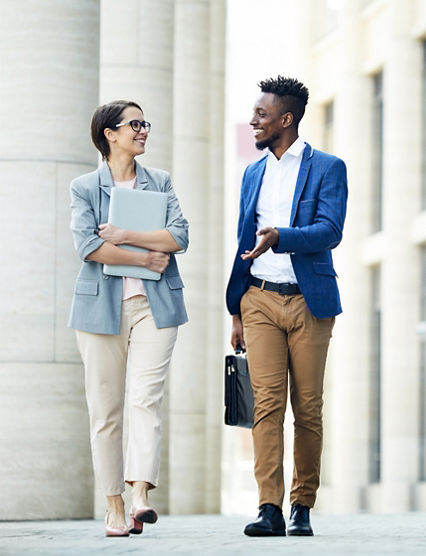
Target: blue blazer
{"type": "Point", "coordinates": [316, 225]}
{"type": "Point", "coordinates": [96, 305]}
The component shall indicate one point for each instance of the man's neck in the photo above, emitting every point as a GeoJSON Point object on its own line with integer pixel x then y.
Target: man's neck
{"type": "Point", "coordinates": [285, 144]}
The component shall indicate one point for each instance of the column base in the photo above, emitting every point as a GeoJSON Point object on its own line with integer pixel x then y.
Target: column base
{"type": "Point", "coordinates": [395, 497]}
{"type": "Point", "coordinates": [420, 496]}
{"type": "Point", "coordinates": [45, 468]}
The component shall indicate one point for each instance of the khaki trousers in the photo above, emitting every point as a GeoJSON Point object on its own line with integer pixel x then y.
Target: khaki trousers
{"type": "Point", "coordinates": [145, 351]}
{"type": "Point", "coordinates": [285, 343]}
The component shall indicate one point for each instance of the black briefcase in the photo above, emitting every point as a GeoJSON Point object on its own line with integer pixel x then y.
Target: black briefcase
{"type": "Point", "coordinates": [238, 392]}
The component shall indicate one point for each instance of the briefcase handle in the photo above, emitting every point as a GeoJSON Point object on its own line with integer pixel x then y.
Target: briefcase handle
{"type": "Point", "coordinates": [239, 349]}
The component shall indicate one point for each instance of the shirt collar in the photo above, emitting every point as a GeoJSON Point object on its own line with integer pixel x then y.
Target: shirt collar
{"type": "Point", "coordinates": [295, 149]}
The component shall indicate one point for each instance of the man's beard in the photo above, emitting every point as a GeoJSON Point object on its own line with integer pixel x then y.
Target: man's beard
{"type": "Point", "coordinates": [266, 143]}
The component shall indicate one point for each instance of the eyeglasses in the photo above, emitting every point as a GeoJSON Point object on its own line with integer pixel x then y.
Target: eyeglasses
{"type": "Point", "coordinates": [137, 125]}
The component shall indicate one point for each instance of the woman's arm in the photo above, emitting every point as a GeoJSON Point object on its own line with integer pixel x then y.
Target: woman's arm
{"type": "Point", "coordinates": [91, 247]}
{"type": "Point", "coordinates": [156, 240]}
{"type": "Point", "coordinates": [108, 253]}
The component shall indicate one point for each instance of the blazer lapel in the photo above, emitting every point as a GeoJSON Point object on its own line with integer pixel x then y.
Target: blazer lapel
{"type": "Point", "coordinates": [256, 182]}
{"type": "Point", "coordinates": [105, 178]}
{"type": "Point", "coordinates": [301, 179]}
{"type": "Point", "coordinates": [141, 177]}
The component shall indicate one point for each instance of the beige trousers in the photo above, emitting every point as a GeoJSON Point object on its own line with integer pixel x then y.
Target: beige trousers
{"type": "Point", "coordinates": [285, 343]}
{"type": "Point", "coordinates": [145, 352]}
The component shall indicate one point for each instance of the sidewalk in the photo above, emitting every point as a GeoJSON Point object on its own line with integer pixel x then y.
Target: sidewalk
{"type": "Point", "coordinates": [365, 534]}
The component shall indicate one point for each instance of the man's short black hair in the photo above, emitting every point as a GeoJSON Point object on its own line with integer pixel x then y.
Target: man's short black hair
{"type": "Point", "coordinates": [292, 94]}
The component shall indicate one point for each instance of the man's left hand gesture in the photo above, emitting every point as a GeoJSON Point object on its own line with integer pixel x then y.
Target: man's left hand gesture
{"type": "Point", "coordinates": [270, 237]}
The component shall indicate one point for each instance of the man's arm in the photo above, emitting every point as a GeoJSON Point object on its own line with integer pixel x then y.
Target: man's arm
{"type": "Point", "coordinates": [326, 231]}
{"type": "Point", "coordinates": [237, 334]}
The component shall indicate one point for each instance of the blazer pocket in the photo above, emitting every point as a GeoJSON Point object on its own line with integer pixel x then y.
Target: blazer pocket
{"type": "Point", "coordinates": [324, 268]}
{"type": "Point", "coordinates": [175, 282]}
{"type": "Point", "coordinates": [306, 210]}
{"type": "Point", "coordinates": [86, 287]}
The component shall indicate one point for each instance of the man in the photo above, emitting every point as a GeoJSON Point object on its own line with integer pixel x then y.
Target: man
{"type": "Point", "coordinates": [283, 296]}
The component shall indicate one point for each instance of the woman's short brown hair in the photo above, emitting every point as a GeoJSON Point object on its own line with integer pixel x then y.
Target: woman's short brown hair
{"type": "Point", "coordinates": [107, 116]}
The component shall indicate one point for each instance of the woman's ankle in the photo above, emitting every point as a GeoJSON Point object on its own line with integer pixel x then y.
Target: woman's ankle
{"type": "Point", "coordinates": [115, 504]}
{"type": "Point", "coordinates": [140, 493]}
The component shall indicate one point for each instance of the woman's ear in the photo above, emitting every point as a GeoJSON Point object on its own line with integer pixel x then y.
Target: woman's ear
{"type": "Point", "coordinates": [109, 134]}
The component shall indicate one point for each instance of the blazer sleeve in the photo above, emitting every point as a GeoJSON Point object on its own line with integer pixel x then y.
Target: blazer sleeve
{"type": "Point", "coordinates": [83, 222]}
{"type": "Point", "coordinates": [242, 209]}
{"type": "Point", "coordinates": [326, 230]}
{"type": "Point", "coordinates": [176, 224]}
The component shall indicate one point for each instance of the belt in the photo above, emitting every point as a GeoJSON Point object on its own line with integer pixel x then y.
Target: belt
{"type": "Point", "coordinates": [282, 289]}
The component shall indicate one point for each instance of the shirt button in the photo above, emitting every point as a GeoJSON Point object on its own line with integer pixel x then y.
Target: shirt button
{"type": "Point", "coordinates": [106, 277]}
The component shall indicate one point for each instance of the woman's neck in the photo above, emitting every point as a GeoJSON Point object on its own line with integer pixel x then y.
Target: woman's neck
{"type": "Point", "coordinates": [122, 168]}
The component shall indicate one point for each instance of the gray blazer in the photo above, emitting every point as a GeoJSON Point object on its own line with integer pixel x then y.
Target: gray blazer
{"type": "Point", "coordinates": [96, 305]}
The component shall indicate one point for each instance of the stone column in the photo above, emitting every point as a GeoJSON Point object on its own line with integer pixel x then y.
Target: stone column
{"type": "Point", "coordinates": [349, 346]}
{"type": "Point", "coordinates": [49, 90]}
{"type": "Point", "coordinates": [191, 176]}
{"type": "Point", "coordinates": [215, 307]}
{"type": "Point", "coordinates": [169, 56]}
{"type": "Point", "coordinates": [400, 274]}
{"type": "Point", "coordinates": [137, 64]}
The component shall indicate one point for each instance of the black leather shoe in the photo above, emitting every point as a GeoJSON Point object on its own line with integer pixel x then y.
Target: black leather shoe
{"type": "Point", "coordinates": [299, 524]}
{"type": "Point", "coordinates": [270, 523]}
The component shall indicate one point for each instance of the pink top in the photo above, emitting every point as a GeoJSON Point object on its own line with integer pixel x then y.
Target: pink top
{"type": "Point", "coordinates": [131, 286]}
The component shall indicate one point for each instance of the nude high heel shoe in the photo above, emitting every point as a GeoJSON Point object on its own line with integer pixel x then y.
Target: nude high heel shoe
{"type": "Point", "coordinates": [139, 516]}
{"type": "Point", "coordinates": [115, 531]}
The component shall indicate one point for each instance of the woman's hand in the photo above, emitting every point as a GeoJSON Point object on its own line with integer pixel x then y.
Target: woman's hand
{"type": "Point", "coordinates": [157, 261]}
{"type": "Point", "coordinates": [110, 233]}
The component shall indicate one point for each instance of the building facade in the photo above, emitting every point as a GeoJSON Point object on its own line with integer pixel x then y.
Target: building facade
{"type": "Point", "coordinates": [367, 76]}
{"type": "Point", "coordinates": [364, 62]}
{"type": "Point", "coordinates": [366, 72]}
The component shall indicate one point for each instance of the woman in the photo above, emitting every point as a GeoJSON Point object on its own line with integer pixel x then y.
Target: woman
{"type": "Point", "coordinates": [125, 322]}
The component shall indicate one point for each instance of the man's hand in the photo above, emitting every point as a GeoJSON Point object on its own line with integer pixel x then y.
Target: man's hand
{"type": "Point", "coordinates": [110, 233]}
{"type": "Point", "coordinates": [237, 336]}
{"type": "Point", "coordinates": [270, 237]}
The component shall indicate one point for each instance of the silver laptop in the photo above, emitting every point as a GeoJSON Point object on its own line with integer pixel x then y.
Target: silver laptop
{"type": "Point", "coordinates": [136, 210]}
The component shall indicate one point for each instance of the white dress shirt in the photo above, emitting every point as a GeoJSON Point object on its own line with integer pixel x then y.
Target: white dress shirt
{"type": "Point", "coordinates": [274, 209]}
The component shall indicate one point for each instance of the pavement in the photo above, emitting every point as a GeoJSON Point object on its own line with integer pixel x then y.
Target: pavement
{"type": "Point", "coordinates": [366, 534]}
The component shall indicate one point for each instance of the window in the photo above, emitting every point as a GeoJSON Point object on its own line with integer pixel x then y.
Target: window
{"type": "Point", "coordinates": [377, 173]}
{"type": "Point", "coordinates": [375, 379]}
{"type": "Point", "coordinates": [328, 139]}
